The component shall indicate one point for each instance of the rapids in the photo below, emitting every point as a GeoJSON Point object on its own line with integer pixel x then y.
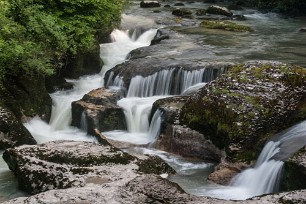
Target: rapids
{"type": "Point", "coordinates": [274, 33]}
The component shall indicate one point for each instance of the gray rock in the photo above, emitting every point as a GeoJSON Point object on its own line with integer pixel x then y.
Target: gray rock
{"type": "Point", "coordinates": [67, 164]}
{"type": "Point", "coordinates": [181, 140]}
{"type": "Point", "coordinates": [12, 131]}
{"type": "Point", "coordinates": [100, 110]}
{"type": "Point", "coordinates": [145, 189]}
{"type": "Point", "coordinates": [294, 173]}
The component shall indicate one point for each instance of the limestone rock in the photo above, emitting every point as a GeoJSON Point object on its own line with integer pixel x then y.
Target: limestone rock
{"type": "Point", "coordinates": [66, 164]}
{"type": "Point", "coordinates": [240, 110]}
{"type": "Point", "coordinates": [100, 111]}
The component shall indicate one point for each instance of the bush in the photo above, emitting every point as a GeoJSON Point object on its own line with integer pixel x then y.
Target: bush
{"type": "Point", "coordinates": [37, 35]}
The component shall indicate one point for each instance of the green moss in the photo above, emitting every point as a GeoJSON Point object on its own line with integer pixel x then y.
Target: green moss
{"type": "Point", "coordinates": [225, 25]}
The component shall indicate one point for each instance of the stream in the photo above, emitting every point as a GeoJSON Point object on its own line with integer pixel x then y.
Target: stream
{"type": "Point", "coordinates": [275, 38]}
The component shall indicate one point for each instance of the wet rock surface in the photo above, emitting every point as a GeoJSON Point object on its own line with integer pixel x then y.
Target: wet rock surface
{"type": "Point", "coordinates": [242, 109]}
{"type": "Point", "coordinates": [225, 171]}
{"type": "Point", "coordinates": [100, 111]}
{"type": "Point", "coordinates": [178, 139]}
{"type": "Point", "coordinates": [12, 131]}
{"type": "Point", "coordinates": [66, 164]}
{"type": "Point", "coordinates": [145, 189]}
{"type": "Point", "coordinates": [294, 173]}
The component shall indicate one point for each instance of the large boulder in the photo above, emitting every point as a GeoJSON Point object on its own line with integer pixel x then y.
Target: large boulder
{"type": "Point", "coordinates": [178, 139]}
{"type": "Point", "coordinates": [12, 131]}
{"type": "Point", "coordinates": [99, 111]}
{"type": "Point", "coordinates": [240, 110]}
{"type": "Point", "coordinates": [66, 164]}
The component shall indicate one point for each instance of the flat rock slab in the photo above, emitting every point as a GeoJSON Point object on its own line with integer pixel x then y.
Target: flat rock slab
{"type": "Point", "coordinates": [65, 164]}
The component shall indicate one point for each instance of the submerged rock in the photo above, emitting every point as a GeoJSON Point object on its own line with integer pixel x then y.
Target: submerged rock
{"type": "Point", "coordinates": [66, 164]}
{"type": "Point", "coordinates": [240, 110]}
{"type": "Point", "coordinates": [99, 110]}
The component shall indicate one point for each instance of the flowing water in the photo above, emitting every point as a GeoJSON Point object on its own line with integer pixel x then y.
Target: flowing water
{"type": "Point", "coordinates": [276, 39]}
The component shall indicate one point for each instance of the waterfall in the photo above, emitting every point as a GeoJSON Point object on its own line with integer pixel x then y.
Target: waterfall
{"type": "Point", "coordinates": [265, 176]}
{"type": "Point", "coordinates": [111, 54]}
{"type": "Point", "coordinates": [166, 82]}
{"type": "Point", "coordinates": [83, 124]}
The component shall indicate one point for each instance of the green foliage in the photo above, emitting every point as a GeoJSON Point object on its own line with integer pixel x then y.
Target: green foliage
{"type": "Point", "coordinates": [37, 35]}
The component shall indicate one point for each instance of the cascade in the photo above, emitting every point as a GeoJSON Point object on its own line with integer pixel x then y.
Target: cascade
{"type": "Point", "coordinates": [265, 176]}
{"type": "Point", "coordinates": [166, 82]}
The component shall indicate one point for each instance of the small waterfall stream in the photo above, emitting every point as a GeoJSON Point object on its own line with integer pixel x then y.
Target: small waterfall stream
{"type": "Point", "coordinates": [142, 93]}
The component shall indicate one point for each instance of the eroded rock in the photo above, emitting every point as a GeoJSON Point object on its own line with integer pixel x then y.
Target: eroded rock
{"type": "Point", "coordinates": [66, 164]}
{"type": "Point", "coordinates": [12, 131]}
{"type": "Point", "coordinates": [294, 173]}
{"type": "Point", "coordinates": [100, 111]}
{"type": "Point", "coordinates": [178, 139]}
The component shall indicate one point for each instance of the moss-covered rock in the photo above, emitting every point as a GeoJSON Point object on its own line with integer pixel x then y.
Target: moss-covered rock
{"type": "Point", "coordinates": [240, 110]}
{"type": "Point", "coordinates": [225, 25]}
{"type": "Point", "coordinates": [178, 139]}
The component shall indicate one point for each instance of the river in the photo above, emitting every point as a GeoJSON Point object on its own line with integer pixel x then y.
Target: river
{"type": "Point", "coordinates": [274, 38]}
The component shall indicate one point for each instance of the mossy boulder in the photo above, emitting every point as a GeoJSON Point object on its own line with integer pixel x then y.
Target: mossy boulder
{"type": "Point", "coordinates": [241, 109]}
{"type": "Point", "coordinates": [178, 139]}
{"type": "Point", "coordinates": [225, 25]}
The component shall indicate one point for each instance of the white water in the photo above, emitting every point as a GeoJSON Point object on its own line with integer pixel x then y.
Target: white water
{"type": "Point", "coordinates": [137, 113]}
{"type": "Point", "coordinates": [265, 176]}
